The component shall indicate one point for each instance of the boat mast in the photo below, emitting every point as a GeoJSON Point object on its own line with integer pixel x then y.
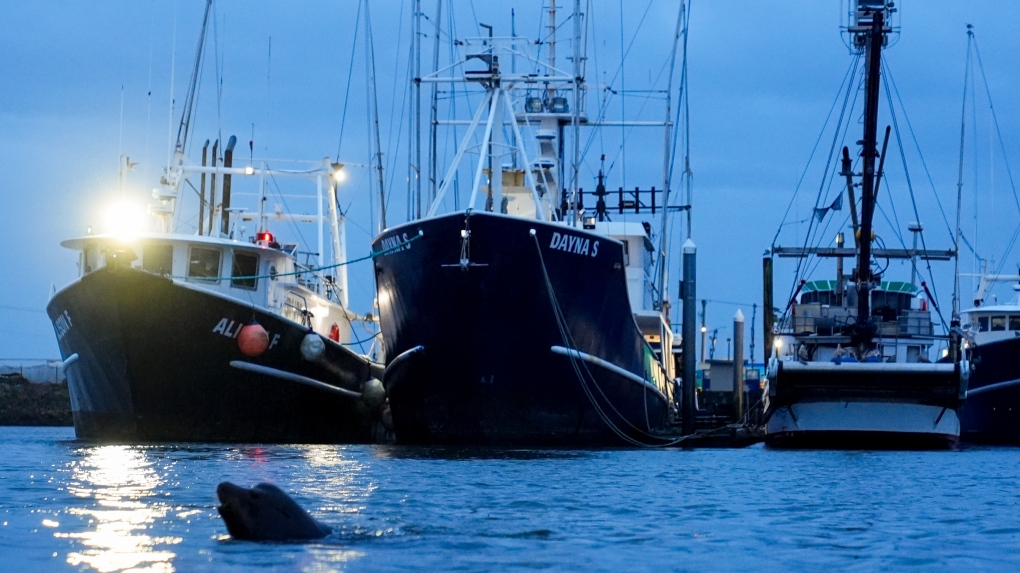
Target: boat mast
{"type": "Point", "coordinates": [667, 156]}
{"type": "Point", "coordinates": [575, 117]}
{"type": "Point", "coordinates": [434, 113]}
{"type": "Point", "coordinates": [172, 177]}
{"type": "Point", "coordinates": [374, 103]}
{"type": "Point", "coordinates": [416, 171]}
{"type": "Point", "coordinates": [959, 181]}
{"type": "Point", "coordinates": [872, 38]}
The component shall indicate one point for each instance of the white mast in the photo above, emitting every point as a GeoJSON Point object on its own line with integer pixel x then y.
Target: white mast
{"type": "Point", "coordinates": [374, 103]}
{"type": "Point", "coordinates": [574, 117]}
{"type": "Point", "coordinates": [416, 170]}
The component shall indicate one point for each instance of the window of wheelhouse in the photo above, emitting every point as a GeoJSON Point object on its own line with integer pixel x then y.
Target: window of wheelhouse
{"type": "Point", "coordinates": [998, 323]}
{"type": "Point", "coordinates": [157, 259]}
{"type": "Point", "coordinates": [204, 264]}
{"type": "Point", "coordinates": [90, 260]}
{"type": "Point", "coordinates": [983, 323]}
{"type": "Point", "coordinates": [244, 271]}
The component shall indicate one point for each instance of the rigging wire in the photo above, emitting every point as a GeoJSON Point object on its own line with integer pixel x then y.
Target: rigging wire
{"type": "Point", "coordinates": [910, 129]}
{"type": "Point", "coordinates": [848, 77]}
{"type": "Point", "coordinates": [847, 104]}
{"type": "Point", "coordinates": [1002, 147]}
{"type": "Point", "coordinates": [910, 189]}
{"type": "Point", "coordinates": [350, 75]}
{"type": "Point", "coordinates": [393, 119]}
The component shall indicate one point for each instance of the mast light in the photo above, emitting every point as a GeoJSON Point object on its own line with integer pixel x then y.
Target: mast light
{"type": "Point", "coordinates": [339, 175]}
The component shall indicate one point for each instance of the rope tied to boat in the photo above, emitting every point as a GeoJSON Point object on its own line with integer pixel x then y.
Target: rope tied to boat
{"type": "Point", "coordinates": [577, 364]}
{"type": "Point", "coordinates": [310, 270]}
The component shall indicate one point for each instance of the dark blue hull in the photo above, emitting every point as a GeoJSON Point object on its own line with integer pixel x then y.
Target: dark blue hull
{"type": "Point", "coordinates": [153, 366]}
{"type": "Point", "coordinates": [993, 417]}
{"type": "Point", "coordinates": [470, 323]}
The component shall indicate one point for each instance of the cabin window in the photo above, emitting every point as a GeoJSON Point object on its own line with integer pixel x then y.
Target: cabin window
{"type": "Point", "coordinates": [998, 323]}
{"type": "Point", "coordinates": [204, 264]}
{"type": "Point", "coordinates": [244, 271]}
{"type": "Point", "coordinates": [626, 254]}
{"type": "Point", "coordinates": [91, 260]}
{"type": "Point", "coordinates": [157, 259]}
{"type": "Point", "coordinates": [983, 323]}
{"type": "Point", "coordinates": [914, 353]}
{"type": "Point", "coordinates": [1014, 323]}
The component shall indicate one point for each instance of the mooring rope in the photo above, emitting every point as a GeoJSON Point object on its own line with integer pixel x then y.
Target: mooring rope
{"type": "Point", "coordinates": [310, 270]}
{"type": "Point", "coordinates": [569, 341]}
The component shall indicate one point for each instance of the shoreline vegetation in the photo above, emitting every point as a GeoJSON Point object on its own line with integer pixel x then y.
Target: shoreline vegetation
{"type": "Point", "coordinates": [23, 403]}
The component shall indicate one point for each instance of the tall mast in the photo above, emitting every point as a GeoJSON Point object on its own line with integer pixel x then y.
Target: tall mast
{"type": "Point", "coordinates": [434, 113]}
{"type": "Point", "coordinates": [576, 116]}
{"type": "Point", "coordinates": [663, 239]}
{"type": "Point", "coordinates": [959, 181]}
{"type": "Point", "coordinates": [374, 103]}
{"type": "Point", "coordinates": [184, 127]}
{"type": "Point", "coordinates": [417, 108]}
{"type": "Point", "coordinates": [552, 43]}
{"type": "Point", "coordinates": [873, 38]}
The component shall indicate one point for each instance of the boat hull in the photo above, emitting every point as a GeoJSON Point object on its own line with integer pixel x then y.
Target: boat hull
{"type": "Point", "coordinates": [471, 329]}
{"type": "Point", "coordinates": [862, 425]}
{"type": "Point", "coordinates": [863, 405]}
{"type": "Point", "coordinates": [149, 359]}
{"type": "Point", "coordinates": [993, 416]}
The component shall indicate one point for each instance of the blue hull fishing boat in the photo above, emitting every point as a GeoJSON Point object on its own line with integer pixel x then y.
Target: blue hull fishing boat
{"type": "Point", "coordinates": [520, 317]}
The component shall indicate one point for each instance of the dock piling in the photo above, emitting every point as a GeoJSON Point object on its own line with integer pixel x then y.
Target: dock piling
{"type": "Point", "coordinates": [688, 295]}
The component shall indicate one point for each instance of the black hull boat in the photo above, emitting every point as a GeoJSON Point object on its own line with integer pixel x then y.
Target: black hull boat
{"type": "Point", "coordinates": [154, 359]}
{"type": "Point", "coordinates": [991, 414]}
{"type": "Point", "coordinates": [199, 328]}
{"type": "Point", "coordinates": [508, 331]}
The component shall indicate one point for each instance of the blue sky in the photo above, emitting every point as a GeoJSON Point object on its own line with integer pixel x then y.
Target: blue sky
{"type": "Point", "coordinates": [763, 76]}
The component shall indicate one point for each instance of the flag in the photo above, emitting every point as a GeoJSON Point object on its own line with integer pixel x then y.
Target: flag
{"type": "Point", "coordinates": [837, 205]}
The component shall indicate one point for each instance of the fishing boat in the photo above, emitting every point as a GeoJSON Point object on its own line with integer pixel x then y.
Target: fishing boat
{"type": "Point", "coordinates": [521, 317]}
{"type": "Point", "coordinates": [851, 363]}
{"type": "Point", "coordinates": [991, 413]}
{"type": "Point", "coordinates": [217, 334]}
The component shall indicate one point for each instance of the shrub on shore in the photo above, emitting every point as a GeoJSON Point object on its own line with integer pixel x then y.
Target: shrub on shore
{"type": "Point", "coordinates": [23, 403]}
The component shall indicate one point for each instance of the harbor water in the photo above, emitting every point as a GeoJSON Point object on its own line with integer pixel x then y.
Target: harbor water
{"type": "Point", "coordinates": [72, 506]}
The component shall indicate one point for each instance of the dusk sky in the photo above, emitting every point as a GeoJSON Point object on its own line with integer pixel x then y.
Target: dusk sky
{"type": "Point", "coordinates": [762, 79]}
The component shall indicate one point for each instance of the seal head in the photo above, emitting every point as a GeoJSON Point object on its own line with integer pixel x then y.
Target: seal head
{"type": "Point", "coordinates": [266, 513]}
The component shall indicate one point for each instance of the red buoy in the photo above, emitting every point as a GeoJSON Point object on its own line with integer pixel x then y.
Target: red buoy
{"type": "Point", "coordinates": [334, 332]}
{"type": "Point", "coordinates": [253, 340]}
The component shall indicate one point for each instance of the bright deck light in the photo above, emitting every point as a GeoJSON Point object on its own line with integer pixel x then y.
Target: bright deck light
{"type": "Point", "coordinates": [124, 219]}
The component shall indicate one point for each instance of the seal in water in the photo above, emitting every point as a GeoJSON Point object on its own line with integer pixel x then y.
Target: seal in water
{"type": "Point", "coordinates": [266, 513]}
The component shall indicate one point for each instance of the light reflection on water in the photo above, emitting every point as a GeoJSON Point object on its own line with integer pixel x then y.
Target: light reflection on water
{"type": "Point", "coordinates": [121, 483]}
{"type": "Point", "coordinates": [133, 507]}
